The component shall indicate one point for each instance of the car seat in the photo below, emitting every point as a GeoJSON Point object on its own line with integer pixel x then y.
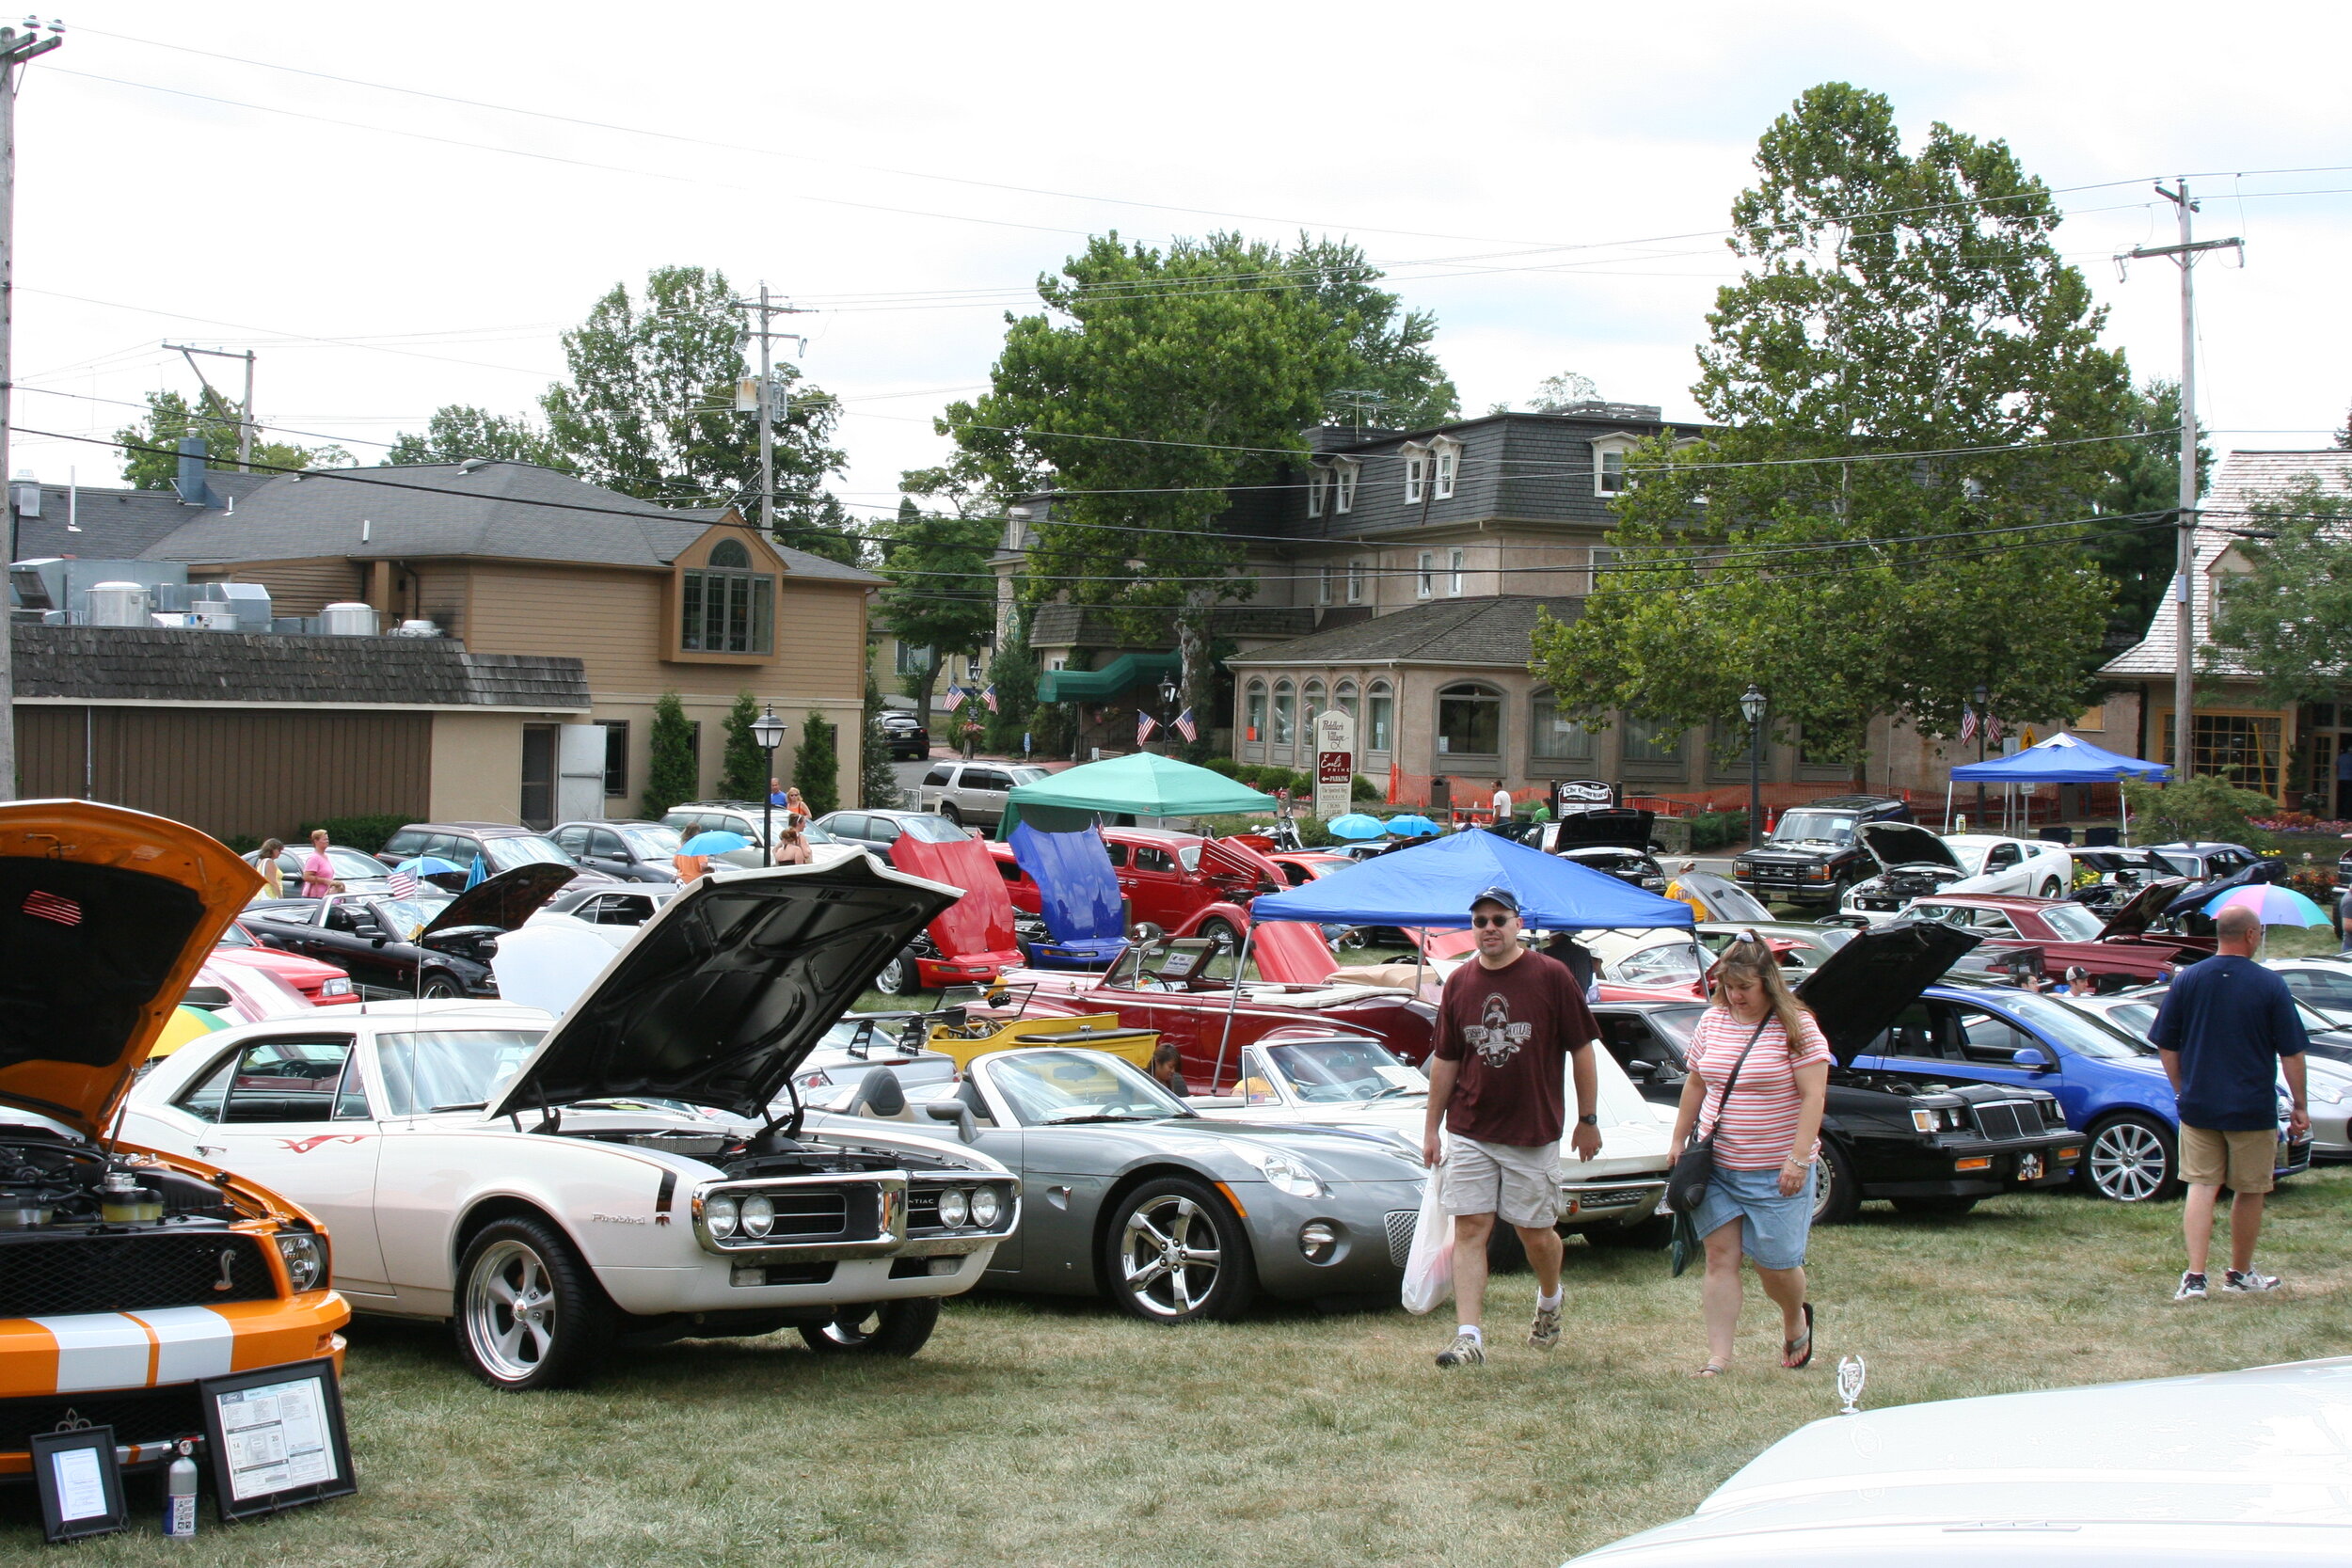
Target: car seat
{"type": "Point", "coordinates": [881, 1096]}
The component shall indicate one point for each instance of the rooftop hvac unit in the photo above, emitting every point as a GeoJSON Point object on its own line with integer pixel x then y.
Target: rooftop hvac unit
{"type": "Point", "coordinates": [348, 620]}
{"type": "Point", "coordinates": [118, 604]}
{"type": "Point", "coordinates": [250, 600]}
{"type": "Point", "coordinates": [215, 617]}
{"type": "Point", "coordinates": [417, 629]}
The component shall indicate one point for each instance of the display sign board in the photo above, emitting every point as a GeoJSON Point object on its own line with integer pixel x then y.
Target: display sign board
{"type": "Point", "coordinates": [1335, 763]}
{"type": "Point", "coordinates": [80, 1482]}
{"type": "Point", "coordinates": [276, 1438]}
{"type": "Point", "coordinates": [1570, 795]}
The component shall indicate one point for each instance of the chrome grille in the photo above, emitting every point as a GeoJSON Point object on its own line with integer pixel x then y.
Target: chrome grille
{"type": "Point", "coordinates": [2005, 1120]}
{"type": "Point", "coordinates": [1400, 1225]}
{"type": "Point", "coordinates": [804, 1212]}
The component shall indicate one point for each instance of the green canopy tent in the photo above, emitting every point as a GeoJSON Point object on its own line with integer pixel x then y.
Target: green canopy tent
{"type": "Point", "coordinates": [1137, 785]}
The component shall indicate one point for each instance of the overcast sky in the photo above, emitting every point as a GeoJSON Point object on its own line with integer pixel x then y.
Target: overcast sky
{"type": "Point", "coordinates": [1551, 180]}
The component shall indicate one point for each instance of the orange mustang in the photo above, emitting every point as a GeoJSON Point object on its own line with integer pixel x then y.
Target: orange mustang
{"type": "Point", "coordinates": [126, 1276]}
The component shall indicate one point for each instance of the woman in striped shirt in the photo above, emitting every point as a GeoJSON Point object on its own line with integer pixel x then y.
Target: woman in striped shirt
{"type": "Point", "coordinates": [1761, 1199]}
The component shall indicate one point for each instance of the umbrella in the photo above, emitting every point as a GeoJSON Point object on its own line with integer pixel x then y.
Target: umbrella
{"type": "Point", "coordinates": [185, 1023]}
{"type": "Point", "coordinates": [1357, 824]}
{"type": "Point", "coordinates": [1412, 827]}
{"type": "Point", "coordinates": [2277, 906]}
{"type": "Point", "coordinates": [713, 843]}
{"type": "Point", "coordinates": [1685, 1244]}
{"type": "Point", "coordinates": [431, 865]}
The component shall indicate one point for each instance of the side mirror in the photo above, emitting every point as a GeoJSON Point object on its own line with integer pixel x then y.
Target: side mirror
{"type": "Point", "coordinates": [956, 1112]}
{"type": "Point", "coordinates": [2031, 1060]}
{"type": "Point", "coordinates": [1641, 1072]}
{"type": "Point", "coordinates": [378, 942]}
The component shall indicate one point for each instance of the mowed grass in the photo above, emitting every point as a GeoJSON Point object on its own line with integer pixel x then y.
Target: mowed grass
{"type": "Point", "coordinates": [1036, 1432]}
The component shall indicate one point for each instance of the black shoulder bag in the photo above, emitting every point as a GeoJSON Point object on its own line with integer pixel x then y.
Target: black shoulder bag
{"type": "Point", "coordinates": [1686, 1184]}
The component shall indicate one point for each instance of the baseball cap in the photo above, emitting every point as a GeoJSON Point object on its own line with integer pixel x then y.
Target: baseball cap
{"type": "Point", "coordinates": [1501, 895]}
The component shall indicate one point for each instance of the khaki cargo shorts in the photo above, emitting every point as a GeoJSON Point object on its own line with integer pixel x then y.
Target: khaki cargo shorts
{"type": "Point", "coordinates": [2241, 1161]}
{"type": "Point", "coordinates": [1520, 1184]}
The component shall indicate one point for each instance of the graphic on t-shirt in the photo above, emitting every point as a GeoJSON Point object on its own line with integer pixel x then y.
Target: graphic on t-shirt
{"type": "Point", "coordinates": [1494, 1037]}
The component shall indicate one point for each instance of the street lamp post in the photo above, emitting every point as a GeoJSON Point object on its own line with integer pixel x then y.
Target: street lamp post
{"type": "Point", "coordinates": [1752, 709]}
{"type": "Point", "coordinates": [768, 730]}
{"type": "Point", "coordinates": [1167, 707]}
{"type": "Point", "coordinates": [1983, 696]}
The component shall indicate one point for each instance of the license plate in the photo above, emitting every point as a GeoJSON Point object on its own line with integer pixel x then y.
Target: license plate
{"type": "Point", "coordinates": [2029, 1168]}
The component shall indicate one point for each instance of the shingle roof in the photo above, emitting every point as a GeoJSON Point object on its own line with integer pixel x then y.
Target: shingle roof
{"type": "Point", "coordinates": [161, 664]}
{"type": "Point", "coordinates": [1453, 631]}
{"type": "Point", "coordinates": [2245, 480]}
{"type": "Point", "coordinates": [113, 525]}
{"type": "Point", "coordinates": [500, 510]}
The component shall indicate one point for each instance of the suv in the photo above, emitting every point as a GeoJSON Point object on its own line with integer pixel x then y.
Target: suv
{"type": "Point", "coordinates": [971, 791]}
{"type": "Point", "coordinates": [499, 846]}
{"type": "Point", "coordinates": [633, 851]}
{"type": "Point", "coordinates": [1813, 855]}
{"type": "Point", "coordinates": [904, 734]}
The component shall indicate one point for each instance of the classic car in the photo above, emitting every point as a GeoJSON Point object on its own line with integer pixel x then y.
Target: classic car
{"type": "Point", "coordinates": [1129, 1194]}
{"type": "Point", "coordinates": [1614, 841]}
{"type": "Point", "coordinates": [2206, 862]}
{"type": "Point", "coordinates": [2326, 1064]}
{"type": "Point", "coordinates": [1810, 856]}
{"type": "Point", "coordinates": [633, 851]}
{"type": "Point", "coordinates": [1929, 1144]}
{"type": "Point", "coordinates": [552, 1190]}
{"type": "Point", "coordinates": [1188, 885]}
{"type": "Point", "coordinates": [2107, 875]}
{"type": "Point", "coordinates": [612, 913]}
{"type": "Point", "coordinates": [743, 819]}
{"type": "Point", "coordinates": [1184, 989]}
{"type": "Point", "coordinates": [878, 833]}
{"type": "Point", "coordinates": [127, 1274]}
{"type": "Point", "coordinates": [2110, 1087]}
{"type": "Point", "coordinates": [972, 792]}
{"type": "Point", "coordinates": [1312, 1076]}
{"type": "Point", "coordinates": [359, 871]}
{"type": "Point", "coordinates": [1915, 863]}
{"type": "Point", "coordinates": [323, 985]}
{"type": "Point", "coordinates": [972, 941]}
{"type": "Point", "coordinates": [2114, 949]}
{"type": "Point", "coordinates": [1669, 955]}
{"type": "Point", "coordinates": [433, 947]}
{"type": "Point", "coordinates": [1075, 894]}
{"type": "Point", "coordinates": [2244, 1466]}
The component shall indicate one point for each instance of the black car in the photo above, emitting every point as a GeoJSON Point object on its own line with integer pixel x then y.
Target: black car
{"type": "Point", "coordinates": [633, 851]}
{"type": "Point", "coordinates": [1813, 856]}
{"type": "Point", "coordinates": [1614, 842]}
{"type": "Point", "coordinates": [1932, 1147]}
{"type": "Point", "coordinates": [877, 831]}
{"type": "Point", "coordinates": [904, 734]}
{"type": "Point", "coordinates": [396, 947]}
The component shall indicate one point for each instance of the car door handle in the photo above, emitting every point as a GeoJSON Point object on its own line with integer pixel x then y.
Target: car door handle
{"type": "Point", "coordinates": [212, 1149]}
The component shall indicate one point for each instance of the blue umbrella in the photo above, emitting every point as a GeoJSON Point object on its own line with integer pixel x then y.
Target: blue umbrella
{"type": "Point", "coordinates": [431, 865]}
{"type": "Point", "coordinates": [476, 873]}
{"type": "Point", "coordinates": [714, 843]}
{"type": "Point", "coordinates": [1357, 824]}
{"type": "Point", "coordinates": [1412, 827]}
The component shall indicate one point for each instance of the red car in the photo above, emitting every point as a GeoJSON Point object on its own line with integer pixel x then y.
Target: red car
{"type": "Point", "coordinates": [2116, 949]}
{"type": "Point", "coordinates": [322, 985]}
{"type": "Point", "coordinates": [972, 941]}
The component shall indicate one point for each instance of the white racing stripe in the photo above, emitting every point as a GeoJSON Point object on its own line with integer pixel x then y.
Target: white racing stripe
{"type": "Point", "coordinates": [191, 1342]}
{"type": "Point", "coordinates": [99, 1349]}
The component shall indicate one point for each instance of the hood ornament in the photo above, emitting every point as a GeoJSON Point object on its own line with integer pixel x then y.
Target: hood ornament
{"type": "Point", "coordinates": [1852, 1374]}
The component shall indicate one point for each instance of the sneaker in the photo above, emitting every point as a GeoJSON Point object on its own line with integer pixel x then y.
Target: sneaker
{"type": "Point", "coordinates": [2252, 1281]}
{"type": "Point", "coordinates": [1466, 1351]}
{"type": "Point", "coordinates": [1544, 1333]}
{"type": "Point", "coordinates": [2192, 1288]}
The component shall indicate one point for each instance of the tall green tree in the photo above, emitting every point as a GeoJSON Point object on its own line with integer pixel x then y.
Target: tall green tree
{"type": "Point", "coordinates": [1015, 673]}
{"type": "Point", "coordinates": [816, 765]}
{"type": "Point", "coordinates": [940, 593]}
{"type": "Point", "coordinates": [743, 765]}
{"type": "Point", "coordinates": [1391, 344]}
{"type": "Point", "coordinates": [458, 431]}
{"type": "Point", "coordinates": [1893, 303]}
{"type": "Point", "coordinates": [2145, 485]}
{"type": "Point", "coordinates": [2287, 619]}
{"type": "Point", "coordinates": [150, 448]}
{"type": "Point", "coordinates": [672, 773]}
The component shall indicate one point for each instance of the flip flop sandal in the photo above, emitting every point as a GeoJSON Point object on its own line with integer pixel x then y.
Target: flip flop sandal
{"type": "Point", "coordinates": [1788, 1347]}
{"type": "Point", "coordinates": [1712, 1368]}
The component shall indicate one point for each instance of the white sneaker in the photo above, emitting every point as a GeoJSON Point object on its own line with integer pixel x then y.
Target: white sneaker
{"type": "Point", "coordinates": [2192, 1288]}
{"type": "Point", "coordinates": [2252, 1281]}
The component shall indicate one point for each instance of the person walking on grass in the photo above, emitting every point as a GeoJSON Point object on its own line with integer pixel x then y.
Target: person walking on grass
{"type": "Point", "coordinates": [1762, 1043]}
{"type": "Point", "coordinates": [2227, 1029]}
{"type": "Point", "coordinates": [1507, 1027]}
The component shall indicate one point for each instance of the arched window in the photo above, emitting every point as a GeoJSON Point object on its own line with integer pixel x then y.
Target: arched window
{"type": "Point", "coordinates": [730, 555]}
{"type": "Point", "coordinates": [1253, 714]}
{"type": "Point", "coordinates": [1314, 702]}
{"type": "Point", "coordinates": [1379, 717]}
{"type": "Point", "coordinates": [1469, 721]}
{"type": "Point", "coordinates": [1285, 713]}
{"type": "Point", "coordinates": [1554, 735]}
{"type": "Point", "coordinates": [1346, 698]}
{"type": "Point", "coordinates": [725, 607]}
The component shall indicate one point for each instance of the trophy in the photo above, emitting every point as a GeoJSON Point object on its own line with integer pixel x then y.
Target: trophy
{"type": "Point", "coordinates": [1851, 1372]}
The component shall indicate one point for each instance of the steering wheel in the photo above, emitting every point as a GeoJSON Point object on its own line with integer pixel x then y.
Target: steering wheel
{"type": "Point", "coordinates": [1365, 1088]}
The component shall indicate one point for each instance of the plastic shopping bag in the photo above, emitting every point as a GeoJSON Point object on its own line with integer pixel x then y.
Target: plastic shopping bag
{"type": "Point", "coordinates": [1429, 1267]}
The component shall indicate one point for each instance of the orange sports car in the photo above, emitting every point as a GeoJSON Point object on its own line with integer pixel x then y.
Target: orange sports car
{"type": "Point", "coordinates": [126, 1276]}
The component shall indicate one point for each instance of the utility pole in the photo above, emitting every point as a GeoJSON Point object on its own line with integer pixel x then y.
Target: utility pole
{"type": "Point", "coordinates": [767, 398]}
{"type": "Point", "coordinates": [245, 419]}
{"type": "Point", "coordinates": [2184, 583]}
{"type": "Point", "coordinates": [16, 49]}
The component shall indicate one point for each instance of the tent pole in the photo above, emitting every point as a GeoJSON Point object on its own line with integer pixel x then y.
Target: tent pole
{"type": "Point", "coordinates": [1948, 802]}
{"type": "Point", "coordinates": [1240, 963]}
{"type": "Point", "coordinates": [1420, 953]}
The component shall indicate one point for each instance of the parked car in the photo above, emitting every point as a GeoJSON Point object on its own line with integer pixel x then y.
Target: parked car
{"type": "Point", "coordinates": [1067, 909]}
{"type": "Point", "coordinates": [875, 831]}
{"type": "Point", "coordinates": [632, 851]}
{"type": "Point", "coordinates": [2203, 863]}
{"type": "Point", "coordinates": [2107, 877]}
{"type": "Point", "coordinates": [414, 947]}
{"type": "Point", "coordinates": [109, 915]}
{"type": "Point", "coordinates": [969, 942]}
{"type": "Point", "coordinates": [972, 792]}
{"type": "Point", "coordinates": [2063, 935]}
{"type": "Point", "coordinates": [904, 734]}
{"type": "Point", "coordinates": [1679, 956]}
{"type": "Point", "coordinates": [358, 871]}
{"type": "Point", "coordinates": [1614, 841]}
{"type": "Point", "coordinates": [612, 913]}
{"type": "Point", "coordinates": [1811, 857]}
{"type": "Point", "coordinates": [322, 985]}
{"type": "Point", "coordinates": [1132, 1194]}
{"type": "Point", "coordinates": [858, 1043]}
{"type": "Point", "coordinates": [500, 847]}
{"type": "Point", "coordinates": [743, 819]}
{"type": "Point", "coordinates": [2113, 1091]}
{"type": "Point", "coordinates": [2326, 1064]}
{"type": "Point", "coordinates": [2322, 984]}
{"type": "Point", "coordinates": [1188, 885]}
{"type": "Point", "coordinates": [1930, 1145]}
{"type": "Point", "coordinates": [1914, 862]}
{"type": "Point", "coordinates": [529, 1184]}
{"type": "Point", "coordinates": [2240, 1466]}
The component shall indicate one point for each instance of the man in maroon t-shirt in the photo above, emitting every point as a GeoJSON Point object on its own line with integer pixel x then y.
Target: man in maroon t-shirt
{"type": "Point", "coordinates": [1506, 1026]}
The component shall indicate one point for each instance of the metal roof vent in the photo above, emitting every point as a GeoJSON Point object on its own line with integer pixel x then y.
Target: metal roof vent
{"type": "Point", "coordinates": [470, 463]}
{"type": "Point", "coordinates": [348, 620]}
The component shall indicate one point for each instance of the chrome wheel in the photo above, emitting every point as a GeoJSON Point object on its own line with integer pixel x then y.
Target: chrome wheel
{"type": "Point", "coordinates": [439, 989]}
{"type": "Point", "coordinates": [510, 1311]}
{"type": "Point", "coordinates": [1169, 1257]}
{"type": "Point", "coordinates": [2051, 889]}
{"type": "Point", "coordinates": [1223, 936]}
{"type": "Point", "coordinates": [2129, 1161]}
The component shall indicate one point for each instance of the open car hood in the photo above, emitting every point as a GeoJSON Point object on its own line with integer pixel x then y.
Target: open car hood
{"type": "Point", "coordinates": [1726, 901]}
{"type": "Point", "coordinates": [1894, 844]}
{"type": "Point", "coordinates": [722, 993]}
{"type": "Point", "coordinates": [1077, 889]}
{"type": "Point", "coordinates": [1238, 867]}
{"type": "Point", "coordinates": [105, 917]}
{"type": "Point", "coordinates": [503, 901]}
{"type": "Point", "coordinates": [2133, 917]}
{"type": "Point", "coordinates": [977, 924]}
{"type": "Point", "coordinates": [1860, 989]}
{"type": "Point", "coordinates": [2245, 875]}
{"type": "Point", "coordinates": [1614, 826]}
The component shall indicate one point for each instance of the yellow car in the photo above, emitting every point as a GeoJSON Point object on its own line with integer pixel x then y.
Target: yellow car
{"type": "Point", "coordinates": [126, 1276]}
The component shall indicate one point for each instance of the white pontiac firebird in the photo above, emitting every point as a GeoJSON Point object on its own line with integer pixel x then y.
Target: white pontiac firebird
{"type": "Point", "coordinates": [554, 1186]}
{"type": "Point", "coordinates": [1916, 864]}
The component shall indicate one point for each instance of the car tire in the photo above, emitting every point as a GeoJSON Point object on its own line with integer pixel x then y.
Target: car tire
{"type": "Point", "coordinates": [1936, 1204]}
{"type": "Point", "coordinates": [876, 1328]}
{"type": "Point", "coordinates": [1649, 1236]}
{"type": "Point", "coordinates": [1221, 933]}
{"type": "Point", "coordinates": [2052, 888]}
{"type": "Point", "coordinates": [564, 1324]}
{"type": "Point", "coordinates": [2132, 1159]}
{"type": "Point", "coordinates": [899, 977]}
{"type": "Point", "coordinates": [947, 810]}
{"type": "Point", "coordinates": [1836, 1191]}
{"type": "Point", "coordinates": [1182, 1214]}
{"type": "Point", "coordinates": [438, 986]}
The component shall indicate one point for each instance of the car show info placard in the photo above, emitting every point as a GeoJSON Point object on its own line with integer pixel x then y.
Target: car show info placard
{"type": "Point", "coordinates": [276, 1438]}
{"type": "Point", "coordinates": [1335, 763]}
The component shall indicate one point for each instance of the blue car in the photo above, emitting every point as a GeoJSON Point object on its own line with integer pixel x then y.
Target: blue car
{"type": "Point", "coordinates": [1086, 919]}
{"type": "Point", "coordinates": [2111, 1086]}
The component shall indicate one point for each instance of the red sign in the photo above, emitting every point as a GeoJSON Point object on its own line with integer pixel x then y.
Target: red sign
{"type": "Point", "coordinates": [1334, 768]}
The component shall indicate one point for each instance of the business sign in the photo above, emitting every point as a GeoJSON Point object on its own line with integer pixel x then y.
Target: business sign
{"type": "Point", "coordinates": [1335, 763]}
{"type": "Point", "coordinates": [1570, 795]}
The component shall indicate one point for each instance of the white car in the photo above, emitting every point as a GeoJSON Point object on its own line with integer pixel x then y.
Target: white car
{"type": "Point", "coordinates": [2328, 1074]}
{"type": "Point", "coordinates": [2244, 1466]}
{"type": "Point", "coordinates": [1312, 1075]}
{"type": "Point", "coordinates": [1915, 863]}
{"type": "Point", "coordinates": [550, 1185]}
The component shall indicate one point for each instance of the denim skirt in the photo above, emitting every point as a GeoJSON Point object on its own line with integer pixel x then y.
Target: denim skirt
{"type": "Point", "coordinates": [1777, 1226]}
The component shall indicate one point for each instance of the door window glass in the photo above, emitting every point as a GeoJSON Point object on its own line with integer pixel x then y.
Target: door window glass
{"type": "Point", "coordinates": [273, 1081]}
{"type": "Point", "coordinates": [1991, 1040]}
{"type": "Point", "coordinates": [1151, 858]}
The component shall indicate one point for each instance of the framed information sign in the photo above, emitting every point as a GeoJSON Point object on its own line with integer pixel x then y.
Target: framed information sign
{"type": "Point", "coordinates": [276, 1438]}
{"type": "Point", "coordinates": [80, 1482]}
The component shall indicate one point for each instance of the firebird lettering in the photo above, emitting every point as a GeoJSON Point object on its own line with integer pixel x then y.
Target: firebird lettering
{"type": "Point", "coordinates": [304, 1146]}
{"type": "Point", "coordinates": [617, 1219]}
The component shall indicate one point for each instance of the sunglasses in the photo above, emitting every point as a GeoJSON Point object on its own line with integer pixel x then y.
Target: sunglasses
{"type": "Point", "coordinates": [1483, 921]}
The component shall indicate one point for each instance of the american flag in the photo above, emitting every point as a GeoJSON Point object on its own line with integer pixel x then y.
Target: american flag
{"type": "Point", "coordinates": [989, 696]}
{"type": "Point", "coordinates": [1967, 723]}
{"type": "Point", "coordinates": [1991, 727]}
{"type": "Point", "coordinates": [53, 906]}
{"type": "Point", "coordinates": [1145, 724]}
{"type": "Point", "coordinates": [1185, 727]}
{"type": "Point", "coordinates": [955, 696]}
{"type": "Point", "coordinates": [403, 884]}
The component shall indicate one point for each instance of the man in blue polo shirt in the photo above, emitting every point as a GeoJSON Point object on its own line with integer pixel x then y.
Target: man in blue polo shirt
{"type": "Point", "coordinates": [2228, 1027]}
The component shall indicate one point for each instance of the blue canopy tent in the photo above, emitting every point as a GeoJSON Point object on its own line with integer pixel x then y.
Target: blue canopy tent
{"type": "Point", "coordinates": [1078, 895]}
{"type": "Point", "coordinates": [2062, 759]}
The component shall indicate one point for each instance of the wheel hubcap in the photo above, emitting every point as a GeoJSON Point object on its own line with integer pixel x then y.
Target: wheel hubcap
{"type": "Point", "coordinates": [510, 1311]}
{"type": "Point", "coordinates": [2127, 1162]}
{"type": "Point", "coordinates": [1168, 1255]}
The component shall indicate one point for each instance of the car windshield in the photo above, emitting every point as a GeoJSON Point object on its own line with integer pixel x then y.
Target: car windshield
{"type": "Point", "coordinates": [1676, 1023]}
{"type": "Point", "coordinates": [523, 849]}
{"type": "Point", "coordinates": [1026, 775]}
{"type": "Point", "coordinates": [237, 936]}
{"type": "Point", "coordinates": [2078, 1031]}
{"type": "Point", "coordinates": [651, 842]}
{"type": "Point", "coordinates": [350, 863]}
{"type": "Point", "coordinates": [1814, 827]}
{"type": "Point", "coordinates": [2073, 923]}
{"type": "Point", "coordinates": [1970, 856]}
{"type": "Point", "coordinates": [403, 919]}
{"type": "Point", "coordinates": [449, 1070]}
{"type": "Point", "coordinates": [932, 830]}
{"type": "Point", "coordinates": [1052, 1086]}
{"type": "Point", "coordinates": [1333, 1071]}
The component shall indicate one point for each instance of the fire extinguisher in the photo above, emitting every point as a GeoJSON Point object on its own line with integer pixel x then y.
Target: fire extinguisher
{"type": "Point", "coordinates": [179, 1496]}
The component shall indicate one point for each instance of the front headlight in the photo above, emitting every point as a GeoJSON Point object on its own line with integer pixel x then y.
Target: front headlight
{"type": "Point", "coordinates": [987, 1207]}
{"type": "Point", "coordinates": [955, 1207]}
{"type": "Point", "coordinates": [758, 1215]}
{"type": "Point", "coordinates": [1817, 874]}
{"type": "Point", "coordinates": [1924, 1120]}
{"type": "Point", "coordinates": [339, 986]}
{"type": "Point", "coordinates": [306, 1258]}
{"type": "Point", "coordinates": [1283, 1173]}
{"type": "Point", "coordinates": [718, 1216]}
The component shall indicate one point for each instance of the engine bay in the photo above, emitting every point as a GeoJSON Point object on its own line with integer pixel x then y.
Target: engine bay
{"type": "Point", "coordinates": [47, 1185]}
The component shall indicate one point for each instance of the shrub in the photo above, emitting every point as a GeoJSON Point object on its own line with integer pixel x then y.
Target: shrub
{"type": "Point", "coordinates": [2202, 809]}
{"type": "Point", "coordinates": [1713, 830]}
{"type": "Point", "coordinates": [243, 844]}
{"type": "Point", "coordinates": [1226, 766]}
{"type": "Point", "coordinates": [743, 767]}
{"type": "Point", "coordinates": [816, 767]}
{"type": "Point", "coordinates": [671, 773]}
{"type": "Point", "coordinates": [1361, 788]}
{"type": "Point", "coordinates": [366, 833]}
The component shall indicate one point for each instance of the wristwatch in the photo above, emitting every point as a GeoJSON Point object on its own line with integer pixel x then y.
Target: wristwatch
{"type": "Point", "coordinates": [1588, 1121]}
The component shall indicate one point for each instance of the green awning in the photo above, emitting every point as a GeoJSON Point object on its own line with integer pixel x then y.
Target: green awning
{"type": "Point", "coordinates": [1095, 686]}
{"type": "Point", "coordinates": [1142, 786]}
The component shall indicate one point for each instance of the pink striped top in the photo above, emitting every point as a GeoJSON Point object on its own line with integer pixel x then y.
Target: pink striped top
{"type": "Point", "coordinates": [1762, 1120]}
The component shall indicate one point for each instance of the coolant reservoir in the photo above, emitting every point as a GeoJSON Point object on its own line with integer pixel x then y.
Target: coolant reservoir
{"type": "Point", "coordinates": [123, 1201]}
